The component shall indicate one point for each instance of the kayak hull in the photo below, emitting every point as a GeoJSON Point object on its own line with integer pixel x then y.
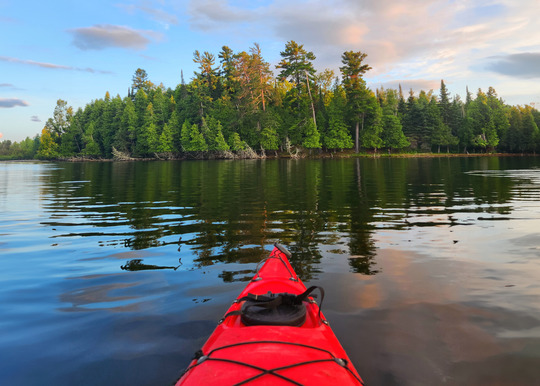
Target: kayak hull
{"type": "Point", "coordinates": [309, 354]}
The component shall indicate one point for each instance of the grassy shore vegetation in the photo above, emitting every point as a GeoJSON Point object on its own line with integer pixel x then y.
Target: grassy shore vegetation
{"type": "Point", "coordinates": [236, 107]}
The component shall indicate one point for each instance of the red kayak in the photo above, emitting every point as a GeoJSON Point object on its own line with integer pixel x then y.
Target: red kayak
{"type": "Point", "coordinates": [273, 334]}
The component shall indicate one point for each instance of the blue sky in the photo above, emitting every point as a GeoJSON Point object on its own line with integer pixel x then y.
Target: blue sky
{"type": "Point", "coordinates": [76, 51]}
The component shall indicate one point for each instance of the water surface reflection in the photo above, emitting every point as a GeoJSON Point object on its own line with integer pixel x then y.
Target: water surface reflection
{"type": "Point", "coordinates": [430, 265]}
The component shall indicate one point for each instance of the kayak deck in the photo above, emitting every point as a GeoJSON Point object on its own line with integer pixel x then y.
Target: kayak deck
{"type": "Point", "coordinates": [237, 354]}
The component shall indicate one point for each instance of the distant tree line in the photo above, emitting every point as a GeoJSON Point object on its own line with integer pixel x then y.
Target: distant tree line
{"type": "Point", "coordinates": [235, 107]}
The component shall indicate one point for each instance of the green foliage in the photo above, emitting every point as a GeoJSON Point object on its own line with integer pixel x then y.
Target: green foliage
{"type": "Point", "coordinates": [235, 143]}
{"type": "Point", "coordinates": [357, 94]}
{"type": "Point", "coordinates": [392, 133]}
{"type": "Point", "coordinates": [197, 143]}
{"type": "Point", "coordinates": [269, 139]}
{"type": "Point", "coordinates": [165, 144]}
{"type": "Point", "coordinates": [483, 126]}
{"type": "Point", "coordinates": [90, 148]}
{"type": "Point", "coordinates": [239, 99]}
{"type": "Point", "coordinates": [312, 138]}
{"type": "Point", "coordinates": [338, 136]}
{"type": "Point", "coordinates": [140, 81]}
{"type": "Point", "coordinates": [212, 131]}
{"type": "Point", "coordinates": [48, 148]}
{"type": "Point", "coordinates": [296, 63]}
{"type": "Point", "coordinates": [25, 149]}
{"type": "Point", "coordinates": [61, 120]}
{"type": "Point", "coordinates": [147, 136]}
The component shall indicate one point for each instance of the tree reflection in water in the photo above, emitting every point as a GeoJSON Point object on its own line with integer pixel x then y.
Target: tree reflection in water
{"type": "Point", "coordinates": [230, 212]}
{"type": "Point", "coordinates": [137, 265]}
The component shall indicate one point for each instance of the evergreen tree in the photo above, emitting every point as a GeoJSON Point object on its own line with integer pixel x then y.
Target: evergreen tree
{"type": "Point", "coordinates": [125, 137]}
{"type": "Point", "coordinates": [371, 133]}
{"type": "Point", "coordinates": [269, 139]}
{"type": "Point", "coordinates": [91, 148]}
{"type": "Point", "coordinates": [498, 113]}
{"type": "Point", "coordinates": [296, 65]}
{"type": "Point", "coordinates": [165, 144]}
{"type": "Point", "coordinates": [440, 133]}
{"type": "Point", "coordinates": [514, 140]}
{"type": "Point", "coordinates": [235, 143]}
{"type": "Point", "coordinates": [147, 137]}
{"type": "Point", "coordinates": [212, 131]}
{"type": "Point", "coordinates": [220, 143]}
{"type": "Point", "coordinates": [392, 132]}
{"type": "Point", "coordinates": [140, 81]}
{"type": "Point", "coordinates": [337, 136]}
{"type": "Point", "coordinates": [205, 84]}
{"type": "Point", "coordinates": [176, 129]}
{"type": "Point", "coordinates": [197, 142]}
{"type": "Point", "coordinates": [355, 88]}
{"type": "Point", "coordinates": [312, 138]}
{"type": "Point", "coordinates": [228, 71]}
{"type": "Point", "coordinates": [483, 128]}
{"type": "Point", "coordinates": [185, 137]}
{"type": "Point", "coordinates": [530, 130]}
{"type": "Point", "coordinates": [69, 145]}
{"type": "Point", "coordinates": [445, 105]}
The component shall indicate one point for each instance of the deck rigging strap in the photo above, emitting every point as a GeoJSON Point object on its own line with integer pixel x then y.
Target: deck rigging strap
{"type": "Point", "coordinates": [201, 358]}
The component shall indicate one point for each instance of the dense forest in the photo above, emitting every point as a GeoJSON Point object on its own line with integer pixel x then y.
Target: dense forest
{"type": "Point", "coordinates": [234, 106]}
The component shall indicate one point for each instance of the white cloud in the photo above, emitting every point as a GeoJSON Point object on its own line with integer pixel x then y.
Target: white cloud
{"type": "Point", "coordinates": [163, 17]}
{"type": "Point", "coordinates": [207, 15]}
{"type": "Point", "coordinates": [50, 65]}
{"type": "Point", "coordinates": [7, 103]}
{"type": "Point", "coordinates": [434, 39]}
{"type": "Point", "coordinates": [101, 36]}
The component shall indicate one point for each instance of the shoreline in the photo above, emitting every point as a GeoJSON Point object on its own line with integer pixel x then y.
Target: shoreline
{"type": "Point", "coordinates": [283, 156]}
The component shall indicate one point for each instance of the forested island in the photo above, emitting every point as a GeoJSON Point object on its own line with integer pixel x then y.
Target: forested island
{"type": "Point", "coordinates": [235, 107]}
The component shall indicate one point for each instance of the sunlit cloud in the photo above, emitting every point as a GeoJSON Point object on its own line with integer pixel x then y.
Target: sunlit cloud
{"type": "Point", "coordinates": [165, 18]}
{"type": "Point", "coordinates": [7, 103]}
{"type": "Point", "coordinates": [434, 40]}
{"type": "Point", "coordinates": [102, 36]}
{"type": "Point", "coordinates": [51, 65]}
{"type": "Point", "coordinates": [207, 15]}
{"type": "Point", "coordinates": [416, 85]}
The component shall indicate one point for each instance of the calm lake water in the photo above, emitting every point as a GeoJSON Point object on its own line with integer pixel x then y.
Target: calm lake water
{"type": "Point", "coordinates": [116, 273]}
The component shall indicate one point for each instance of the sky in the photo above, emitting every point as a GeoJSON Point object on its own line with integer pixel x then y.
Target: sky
{"type": "Point", "coordinates": [79, 50]}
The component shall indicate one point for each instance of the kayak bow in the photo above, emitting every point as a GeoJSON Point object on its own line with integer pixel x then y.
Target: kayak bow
{"type": "Point", "coordinates": [273, 333]}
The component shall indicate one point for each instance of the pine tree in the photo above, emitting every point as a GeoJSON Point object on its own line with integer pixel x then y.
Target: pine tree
{"type": "Point", "coordinates": [185, 136]}
{"type": "Point", "coordinates": [269, 139]}
{"type": "Point", "coordinates": [444, 104]}
{"type": "Point", "coordinates": [337, 136]}
{"type": "Point", "coordinates": [235, 143]}
{"type": "Point", "coordinates": [91, 148]}
{"type": "Point", "coordinates": [355, 88]}
{"type": "Point", "coordinates": [197, 141]}
{"type": "Point", "coordinates": [371, 134]}
{"type": "Point", "coordinates": [166, 139]}
{"type": "Point", "coordinates": [140, 82]}
{"type": "Point", "coordinates": [124, 140]}
{"type": "Point", "coordinates": [392, 133]}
